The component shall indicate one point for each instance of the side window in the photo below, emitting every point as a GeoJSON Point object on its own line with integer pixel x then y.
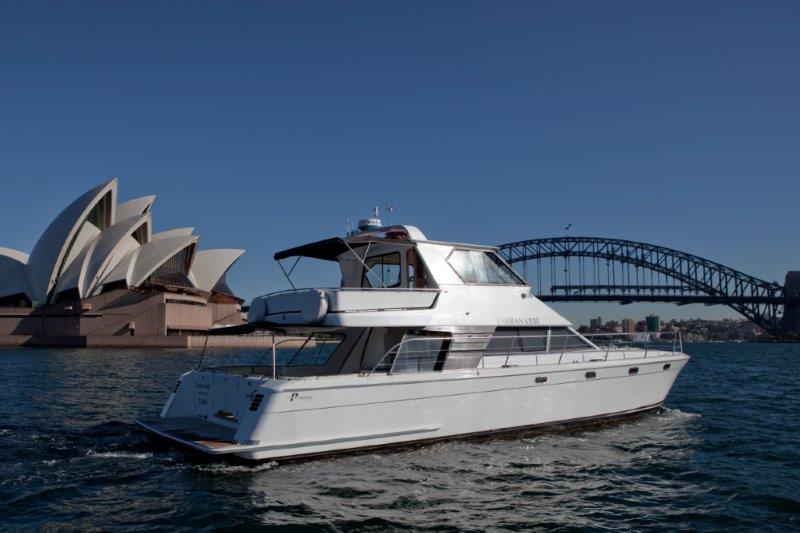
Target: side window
{"type": "Point", "coordinates": [382, 271]}
{"type": "Point", "coordinates": [462, 264]}
{"type": "Point", "coordinates": [514, 340]}
{"type": "Point", "coordinates": [564, 339]}
{"type": "Point", "coordinates": [416, 272]}
{"type": "Point", "coordinates": [482, 267]}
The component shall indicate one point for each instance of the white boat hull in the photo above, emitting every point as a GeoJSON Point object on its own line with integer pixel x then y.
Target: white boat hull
{"type": "Point", "coordinates": [213, 411]}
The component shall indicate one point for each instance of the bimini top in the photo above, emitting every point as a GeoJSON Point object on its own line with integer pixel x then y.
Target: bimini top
{"type": "Point", "coordinates": [331, 249]}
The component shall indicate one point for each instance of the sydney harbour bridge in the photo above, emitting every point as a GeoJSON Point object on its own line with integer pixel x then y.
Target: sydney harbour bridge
{"type": "Point", "coordinates": [596, 269]}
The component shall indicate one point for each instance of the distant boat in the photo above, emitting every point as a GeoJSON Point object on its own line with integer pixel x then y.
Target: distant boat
{"type": "Point", "coordinates": [423, 341]}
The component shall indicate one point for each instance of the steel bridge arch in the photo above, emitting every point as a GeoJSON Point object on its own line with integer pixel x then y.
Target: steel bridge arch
{"type": "Point", "coordinates": [758, 300]}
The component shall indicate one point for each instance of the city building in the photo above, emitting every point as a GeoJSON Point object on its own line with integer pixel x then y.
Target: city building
{"type": "Point", "coordinates": [98, 275]}
{"type": "Point", "coordinates": [628, 325]}
{"type": "Point", "coordinates": [653, 323]}
{"type": "Point", "coordinates": [595, 324]}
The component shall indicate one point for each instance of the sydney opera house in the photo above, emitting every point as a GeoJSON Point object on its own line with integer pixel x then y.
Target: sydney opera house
{"type": "Point", "coordinates": [98, 275]}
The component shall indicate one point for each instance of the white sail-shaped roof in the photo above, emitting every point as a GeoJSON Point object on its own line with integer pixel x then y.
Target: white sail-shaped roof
{"type": "Point", "coordinates": [177, 232]}
{"type": "Point", "coordinates": [112, 246]}
{"type": "Point", "coordinates": [135, 207]}
{"type": "Point", "coordinates": [74, 275]}
{"type": "Point", "coordinates": [12, 271]}
{"type": "Point", "coordinates": [95, 243]}
{"type": "Point", "coordinates": [49, 255]}
{"type": "Point", "coordinates": [209, 266]}
{"type": "Point", "coordinates": [124, 269]}
{"type": "Point", "coordinates": [155, 253]}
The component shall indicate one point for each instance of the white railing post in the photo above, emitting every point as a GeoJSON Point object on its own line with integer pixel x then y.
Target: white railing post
{"type": "Point", "coordinates": [563, 348]}
{"type": "Point", "coordinates": [274, 359]}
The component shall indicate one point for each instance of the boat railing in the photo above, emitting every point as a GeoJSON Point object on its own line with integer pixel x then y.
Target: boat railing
{"type": "Point", "coordinates": [353, 289]}
{"type": "Point", "coordinates": [428, 353]}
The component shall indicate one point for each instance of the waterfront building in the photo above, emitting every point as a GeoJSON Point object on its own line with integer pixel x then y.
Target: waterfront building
{"type": "Point", "coordinates": [653, 323]}
{"type": "Point", "coordinates": [99, 270]}
{"type": "Point", "coordinates": [628, 325]}
{"type": "Point", "coordinates": [595, 324]}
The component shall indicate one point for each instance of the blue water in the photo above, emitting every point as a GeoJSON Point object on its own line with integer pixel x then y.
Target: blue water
{"type": "Point", "coordinates": [723, 453]}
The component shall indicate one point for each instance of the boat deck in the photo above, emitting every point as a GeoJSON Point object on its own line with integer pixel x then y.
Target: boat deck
{"type": "Point", "coordinates": [192, 431]}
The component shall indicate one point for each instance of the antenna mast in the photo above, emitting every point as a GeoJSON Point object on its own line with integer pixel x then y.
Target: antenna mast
{"type": "Point", "coordinates": [390, 208]}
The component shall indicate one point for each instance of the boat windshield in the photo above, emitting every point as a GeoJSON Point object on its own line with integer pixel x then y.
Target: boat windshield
{"type": "Point", "coordinates": [480, 267]}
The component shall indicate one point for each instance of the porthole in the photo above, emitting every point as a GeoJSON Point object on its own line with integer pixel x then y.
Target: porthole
{"type": "Point", "coordinates": [591, 375]}
{"type": "Point", "coordinates": [667, 366]}
{"type": "Point", "coordinates": [633, 370]}
{"type": "Point", "coordinates": [541, 379]}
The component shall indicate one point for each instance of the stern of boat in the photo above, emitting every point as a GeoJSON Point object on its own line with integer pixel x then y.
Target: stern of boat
{"type": "Point", "coordinates": [213, 412]}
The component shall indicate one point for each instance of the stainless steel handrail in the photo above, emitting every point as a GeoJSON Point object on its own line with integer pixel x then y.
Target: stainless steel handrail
{"type": "Point", "coordinates": [274, 352]}
{"type": "Point", "coordinates": [676, 346]}
{"type": "Point", "coordinates": [345, 289]}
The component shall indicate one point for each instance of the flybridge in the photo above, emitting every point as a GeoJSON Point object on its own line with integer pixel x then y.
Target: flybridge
{"type": "Point", "coordinates": [390, 274]}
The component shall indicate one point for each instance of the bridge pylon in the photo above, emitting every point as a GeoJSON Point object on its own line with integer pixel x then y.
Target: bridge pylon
{"type": "Point", "coordinates": [791, 310]}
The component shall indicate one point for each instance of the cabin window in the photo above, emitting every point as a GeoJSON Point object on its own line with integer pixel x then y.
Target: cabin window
{"type": "Point", "coordinates": [315, 351]}
{"type": "Point", "coordinates": [563, 339]}
{"type": "Point", "coordinates": [416, 273]}
{"type": "Point", "coordinates": [421, 353]}
{"type": "Point", "coordinates": [517, 340]}
{"type": "Point", "coordinates": [482, 268]}
{"type": "Point", "coordinates": [382, 271]}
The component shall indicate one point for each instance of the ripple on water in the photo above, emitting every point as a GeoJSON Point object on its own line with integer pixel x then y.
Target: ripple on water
{"type": "Point", "coordinates": [715, 457]}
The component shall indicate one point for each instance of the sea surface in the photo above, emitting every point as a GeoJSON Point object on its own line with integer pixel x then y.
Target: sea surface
{"type": "Point", "coordinates": [724, 453]}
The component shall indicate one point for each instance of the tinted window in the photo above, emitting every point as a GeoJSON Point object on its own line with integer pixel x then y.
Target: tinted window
{"type": "Point", "coordinates": [315, 351]}
{"type": "Point", "coordinates": [482, 267]}
{"type": "Point", "coordinates": [517, 340]}
{"type": "Point", "coordinates": [564, 339]}
{"type": "Point", "coordinates": [382, 271]}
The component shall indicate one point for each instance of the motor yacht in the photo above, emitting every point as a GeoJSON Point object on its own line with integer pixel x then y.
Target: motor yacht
{"type": "Point", "coordinates": [422, 341]}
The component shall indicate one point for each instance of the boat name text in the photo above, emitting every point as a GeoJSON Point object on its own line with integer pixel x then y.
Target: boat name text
{"type": "Point", "coordinates": [518, 321]}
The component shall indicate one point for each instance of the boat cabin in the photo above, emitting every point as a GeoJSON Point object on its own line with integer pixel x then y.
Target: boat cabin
{"type": "Point", "coordinates": [406, 303]}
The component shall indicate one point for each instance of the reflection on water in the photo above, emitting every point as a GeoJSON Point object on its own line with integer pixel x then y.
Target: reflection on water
{"type": "Point", "coordinates": [723, 453]}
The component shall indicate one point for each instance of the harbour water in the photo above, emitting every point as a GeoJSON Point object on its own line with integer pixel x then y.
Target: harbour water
{"type": "Point", "coordinates": [723, 453]}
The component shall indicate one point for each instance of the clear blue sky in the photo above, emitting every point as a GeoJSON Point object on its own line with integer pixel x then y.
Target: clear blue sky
{"type": "Point", "coordinates": [266, 124]}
